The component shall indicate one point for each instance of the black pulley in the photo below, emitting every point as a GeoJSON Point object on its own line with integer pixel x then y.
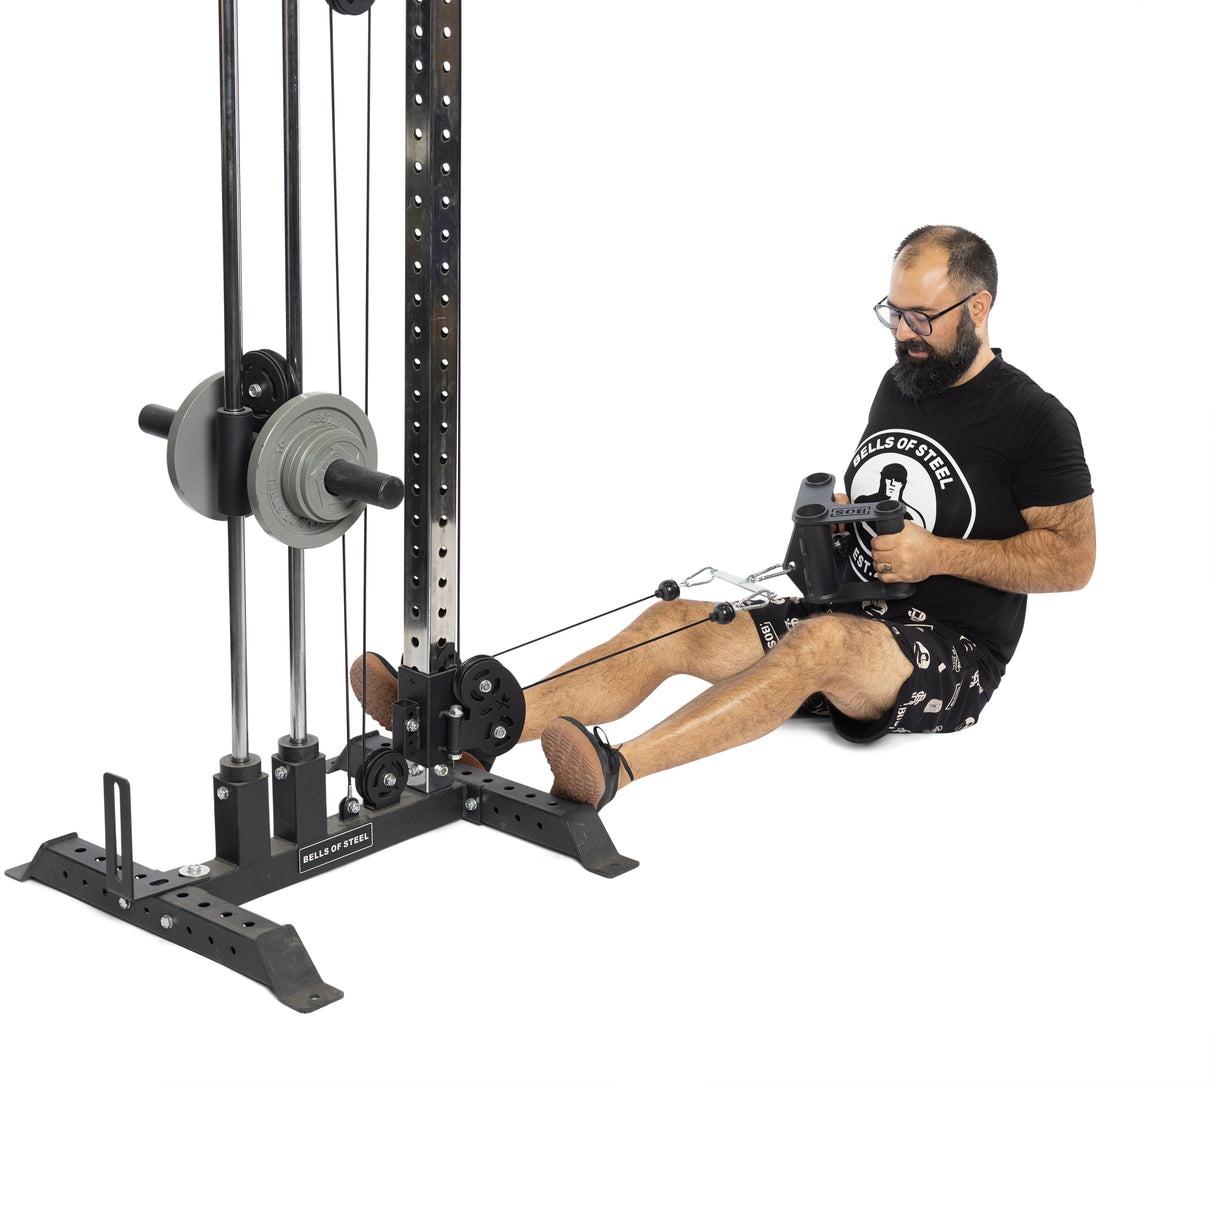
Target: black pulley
{"type": "Point", "coordinates": [266, 383]}
{"type": "Point", "coordinates": [383, 776]}
{"type": "Point", "coordinates": [495, 708]}
{"type": "Point", "coordinates": [351, 8]}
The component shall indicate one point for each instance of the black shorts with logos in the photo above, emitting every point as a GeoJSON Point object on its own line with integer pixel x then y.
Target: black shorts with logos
{"type": "Point", "coordinates": [949, 686]}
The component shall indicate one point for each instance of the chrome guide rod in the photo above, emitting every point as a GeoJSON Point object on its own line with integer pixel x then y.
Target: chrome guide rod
{"type": "Point", "coordinates": [299, 678]}
{"type": "Point", "coordinates": [233, 352]}
{"type": "Point", "coordinates": [292, 230]}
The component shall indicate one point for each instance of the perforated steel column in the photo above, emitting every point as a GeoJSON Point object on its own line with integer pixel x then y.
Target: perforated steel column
{"type": "Point", "coordinates": [432, 340]}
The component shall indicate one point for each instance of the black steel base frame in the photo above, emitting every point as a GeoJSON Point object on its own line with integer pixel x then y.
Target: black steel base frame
{"type": "Point", "coordinates": [200, 906]}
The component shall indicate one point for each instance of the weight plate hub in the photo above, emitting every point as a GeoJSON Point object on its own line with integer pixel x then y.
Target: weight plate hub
{"type": "Point", "coordinates": [287, 468]}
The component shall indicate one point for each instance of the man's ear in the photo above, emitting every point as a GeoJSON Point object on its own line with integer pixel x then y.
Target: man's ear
{"type": "Point", "coordinates": [980, 307]}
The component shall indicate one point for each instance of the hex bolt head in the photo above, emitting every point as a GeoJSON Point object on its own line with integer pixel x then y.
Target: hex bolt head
{"type": "Point", "coordinates": [485, 686]}
{"type": "Point", "coordinates": [122, 902]}
{"type": "Point", "coordinates": [412, 726]}
{"type": "Point", "coordinates": [415, 770]}
{"type": "Point", "coordinates": [222, 793]}
{"type": "Point", "coordinates": [389, 779]}
{"type": "Point", "coordinates": [280, 772]}
{"type": "Point", "coordinates": [166, 921]}
{"type": "Point", "coordinates": [441, 769]}
{"type": "Point", "coordinates": [499, 732]}
{"type": "Point", "coordinates": [470, 805]}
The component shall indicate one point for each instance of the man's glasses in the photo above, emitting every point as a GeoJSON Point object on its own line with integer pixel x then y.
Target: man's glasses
{"type": "Point", "coordinates": [917, 322]}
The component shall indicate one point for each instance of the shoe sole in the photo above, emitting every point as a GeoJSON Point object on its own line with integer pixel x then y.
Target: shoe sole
{"type": "Point", "coordinates": [381, 692]}
{"type": "Point", "coordinates": [577, 772]}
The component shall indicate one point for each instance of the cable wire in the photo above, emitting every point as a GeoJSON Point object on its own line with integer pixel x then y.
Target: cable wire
{"type": "Point", "coordinates": [366, 378]}
{"type": "Point", "coordinates": [568, 627]}
{"type": "Point", "coordinates": [345, 601]}
{"type": "Point", "coordinates": [594, 662]}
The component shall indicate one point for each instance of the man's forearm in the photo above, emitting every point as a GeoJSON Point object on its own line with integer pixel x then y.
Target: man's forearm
{"type": "Point", "coordinates": [1056, 552]}
{"type": "Point", "coordinates": [1034, 562]}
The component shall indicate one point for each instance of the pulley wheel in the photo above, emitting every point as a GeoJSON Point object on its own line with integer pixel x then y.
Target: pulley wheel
{"type": "Point", "coordinates": [382, 776]}
{"type": "Point", "coordinates": [287, 468]}
{"type": "Point", "coordinates": [495, 708]}
{"type": "Point", "coordinates": [192, 454]}
{"type": "Point", "coordinates": [267, 383]}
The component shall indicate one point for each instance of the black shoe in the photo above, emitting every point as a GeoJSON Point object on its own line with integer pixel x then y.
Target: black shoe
{"type": "Point", "coordinates": [585, 766]}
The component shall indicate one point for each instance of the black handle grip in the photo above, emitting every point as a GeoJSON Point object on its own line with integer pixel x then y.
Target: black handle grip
{"type": "Point", "coordinates": [346, 479]}
{"type": "Point", "coordinates": [889, 517]}
{"type": "Point", "coordinates": [156, 420]}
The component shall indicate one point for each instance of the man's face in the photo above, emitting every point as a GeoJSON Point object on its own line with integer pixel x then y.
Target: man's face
{"type": "Point", "coordinates": [893, 489]}
{"type": "Point", "coordinates": [926, 366]}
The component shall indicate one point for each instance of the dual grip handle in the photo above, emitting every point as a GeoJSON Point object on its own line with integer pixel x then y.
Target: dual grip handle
{"type": "Point", "coordinates": [814, 560]}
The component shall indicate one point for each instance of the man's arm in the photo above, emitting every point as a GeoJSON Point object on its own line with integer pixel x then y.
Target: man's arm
{"type": "Point", "coordinates": [1057, 552]}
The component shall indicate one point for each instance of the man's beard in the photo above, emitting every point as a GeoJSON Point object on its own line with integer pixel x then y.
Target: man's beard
{"type": "Point", "coordinates": [920, 378]}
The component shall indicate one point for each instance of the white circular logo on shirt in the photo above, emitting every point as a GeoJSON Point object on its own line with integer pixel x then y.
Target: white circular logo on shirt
{"type": "Point", "coordinates": [912, 468]}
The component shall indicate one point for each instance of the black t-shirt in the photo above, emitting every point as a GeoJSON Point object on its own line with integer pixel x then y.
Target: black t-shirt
{"type": "Point", "coordinates": [965, 463]}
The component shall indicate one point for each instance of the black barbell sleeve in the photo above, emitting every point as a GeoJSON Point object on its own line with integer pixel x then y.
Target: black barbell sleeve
{"type": "Point", "coordinates": [156, 420]}
{"type": "Point", "coordinates": [346, 479]}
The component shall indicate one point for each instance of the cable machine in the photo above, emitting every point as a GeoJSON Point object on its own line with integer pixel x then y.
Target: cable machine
{"type": "Point", "coordinates": [249, 441]}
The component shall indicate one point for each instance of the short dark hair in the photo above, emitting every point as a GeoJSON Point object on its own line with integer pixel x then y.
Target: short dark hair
{"type": "Point", "coordinates": [971, 263]}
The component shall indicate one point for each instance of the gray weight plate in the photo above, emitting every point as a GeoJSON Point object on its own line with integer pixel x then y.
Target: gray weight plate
{"type": "Point", "coordinates": [192, 448]}
{"type": "Point", "coordinates": [287, 468]}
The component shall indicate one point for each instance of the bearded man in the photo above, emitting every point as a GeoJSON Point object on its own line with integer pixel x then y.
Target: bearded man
{"type": "Point", "coordinates": [996, 470]}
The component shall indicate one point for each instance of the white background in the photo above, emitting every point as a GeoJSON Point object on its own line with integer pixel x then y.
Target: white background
{"type": "Point", "coordinates": [958, 973]}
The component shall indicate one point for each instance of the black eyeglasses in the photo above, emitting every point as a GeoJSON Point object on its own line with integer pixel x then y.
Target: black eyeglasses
{"type": "Point", "coordinates": [917, 322]}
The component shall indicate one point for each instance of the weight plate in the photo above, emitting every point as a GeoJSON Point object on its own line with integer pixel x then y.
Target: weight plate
{"type": "Point", "coordinates": [192, 454]}
{"type": "Point", "coordinates": [287, 468]}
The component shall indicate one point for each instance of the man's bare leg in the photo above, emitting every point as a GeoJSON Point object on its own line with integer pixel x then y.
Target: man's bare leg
{"type": "Point", "coordinates": [609, 690]}
{"type": "Point", "coordinates": [612, 689]}
{"type": "Point", "coordinates": [854, 662]}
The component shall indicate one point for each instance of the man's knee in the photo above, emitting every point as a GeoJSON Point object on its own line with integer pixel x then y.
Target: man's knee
{"type": "Point", "coordinates": [855, 661]}
{"type": "Point", "coordinates": [664, 616]}
{"type": "Point", "coordinates": [829, 641]}
{"type": "Point", "coordinates": [698, 646]}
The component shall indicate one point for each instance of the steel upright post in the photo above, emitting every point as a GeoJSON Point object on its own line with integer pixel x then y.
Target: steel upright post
{"type": "Point", "coordinates": [431, 592]}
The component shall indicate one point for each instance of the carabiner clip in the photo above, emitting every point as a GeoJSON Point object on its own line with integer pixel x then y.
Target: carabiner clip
{"type": "Point", "coordinates": [689, 580]}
